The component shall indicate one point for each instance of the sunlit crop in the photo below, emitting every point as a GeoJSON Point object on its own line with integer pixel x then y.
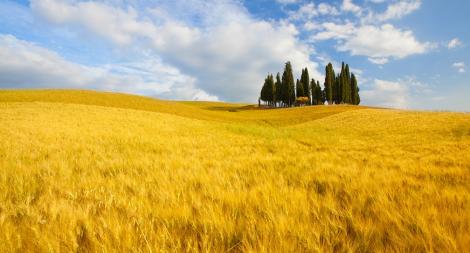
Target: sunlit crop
{"type": "Point", "coordinates": [87, 171]}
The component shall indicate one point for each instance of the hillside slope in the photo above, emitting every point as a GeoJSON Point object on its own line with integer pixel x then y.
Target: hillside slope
{"type": "Point", "coordinates": [90, 171]}
{"type": "Point", "coordinates": [214, 111]}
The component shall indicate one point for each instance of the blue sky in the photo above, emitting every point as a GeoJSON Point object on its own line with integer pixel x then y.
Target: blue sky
{"type": "Point", "coordinates": [407, 54]}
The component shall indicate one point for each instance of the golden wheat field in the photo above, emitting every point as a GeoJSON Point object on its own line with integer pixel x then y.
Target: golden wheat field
{"type": "Point", "coordinates": [84, 171]}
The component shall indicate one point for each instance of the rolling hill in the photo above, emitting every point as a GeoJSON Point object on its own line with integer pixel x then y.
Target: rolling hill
{"type": "Point", "coordinates": [94, 171]}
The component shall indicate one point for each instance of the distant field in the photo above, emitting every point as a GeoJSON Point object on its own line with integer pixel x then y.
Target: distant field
{"type": "Point", "coordinates": [90, 171]}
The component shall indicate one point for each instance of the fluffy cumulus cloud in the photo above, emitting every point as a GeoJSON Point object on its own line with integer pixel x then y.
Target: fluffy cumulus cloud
{"type": "Point", "coordinates": [121, 26]}
{"type": "Point", "coordinates": [42, 66]}
{"type": "Point", "coordinates": [334, 31]}
{"type": "Point", "coordinates": [47, 69]}
{"type": "Point", "coordinates": [304, 12]}
{"type": "Point", "coordinates": [349, 6]}
{"type": "Point", "coordinates": [386, 93]}
{"type": "Point", "coordinates": [400, 93]}
{"type": "Point", "coordinates": [307, 11]}
{"type": "Point", "coordinates": [378, 43]}
{"type": "Point", "coordinates": [326, 9]}
{"type": "Point", "coordinates": [226, 53]}
{"type": "Point", "coordinates": [367, 33]}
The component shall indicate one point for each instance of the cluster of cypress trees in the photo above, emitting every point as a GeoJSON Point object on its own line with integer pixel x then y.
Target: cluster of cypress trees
{"type": "Point", "coordinates": [342, 88]}
{"type": "Point", "coordinates": [338, 89]}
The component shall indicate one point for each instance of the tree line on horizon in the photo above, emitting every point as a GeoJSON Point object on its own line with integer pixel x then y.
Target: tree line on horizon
{"type": "Point", "coordinates": [283, 92]}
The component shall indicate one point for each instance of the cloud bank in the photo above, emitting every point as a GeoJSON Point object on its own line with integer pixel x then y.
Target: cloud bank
{"type": "Point", "coordinates": [226, 54]}
{"type": "Point", "coordinates": [24, 65]}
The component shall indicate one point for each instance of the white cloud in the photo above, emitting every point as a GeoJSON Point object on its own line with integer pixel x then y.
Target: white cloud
{"type": "Point", "coordinates": [383, 42]}
{"type": "Point", "coordinates": [326, 9]}
{"type": "Point", "coordinates": [379, 61]}
{"type": "Point", "coordinates": [236, 67]}
{"type": "Point", "coordinates": [305, 12]}
{"type": "Point", "coordinates": [118, 25]}
{"type": "Point", "coordinates": [399, 9]}
{"type": "Point", "coordinates": [395, 10]}
{"type": "Point", "coordinates": [228, 53]}
{"type": "Point", "coordinates": [22, 62]}
{"type": "Point", "coordinates": [335, 31]}
{"type": "Point", "coordinates": [460, 66]}
{"type": "Point", "coordinates": [364, 34]}
{"type": "Point", "coordinates": [349, 6]}
{"type": "Point", "coordinates": [386, 93]}
{"type": "Point", "coordinates": [402, 93]}
{"type": "Point", "coordinates": [454, 43]}
{"type": "Point", "coordinates": [377, 43]}
{"type": "Point", "coordinates": [25, 65]}
{"type": "Point", "coordinates": [122, 27]}
{"type": "Point", "coordinates": [311, 26]}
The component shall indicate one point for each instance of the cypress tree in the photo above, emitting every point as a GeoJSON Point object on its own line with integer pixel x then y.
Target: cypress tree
{"type": "Point", "coordinates": [270, 89]}
{"type": "Point", "coordinates": [319, 94]}
{"type": "Point", "coordinates": [284, 88]}
{"type": "Point", "coordinates": [292, 94]}
{"type": "Point", "coordinates": [329, 80]}
{"type": "Point", "coordinates": [278, 89]}
{"type": "Point", "coordinates": [334, 89]}
{"type": "Point", "coordinates": [358, 98]}
{"type": "Point", "coordinates": [337, 89]}
{"type": "Point", "coordinates": [349, 89]}
{"type": "Point", "coordinates": [266, 90]}
{"type": "Point", "coordinates": [345, 85]}
{"type": "Point", "coordinates": [288, 86]}
{"type": "Point", "coordinates": [263, 90]}
{"type": "Point", "coordinates": [305, 80]}
{"type": "Point", "coordinates": [355, 99]}
{"type": "Point", "coordinates": [340, 85]}
{"type": "Point", "coordinates": [299, 88]}
{"type": "Point", "coordinates": [313, 88]}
